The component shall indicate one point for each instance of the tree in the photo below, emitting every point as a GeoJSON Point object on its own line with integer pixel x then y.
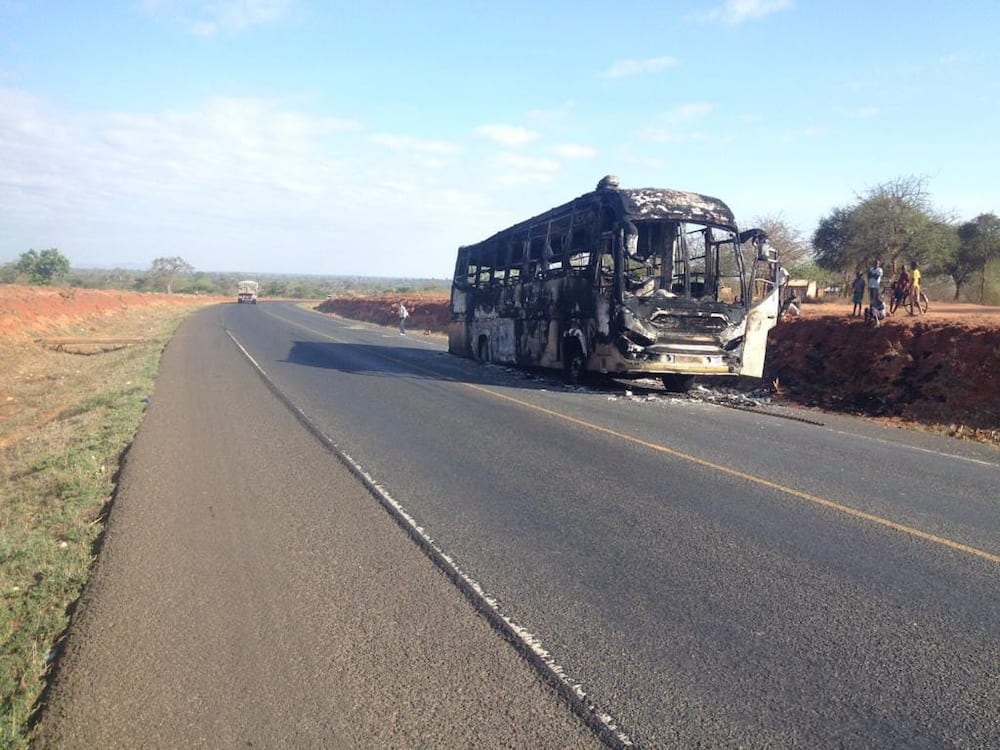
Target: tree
{"type": "Point", "coordinates": [8, 273]}
{"type": "Point", "coordinates": [936, 245]}
{"type": "Point", "coordinates": [167, 270]}
{"type": "Point", "coordinates": [955, 259]}
{"type": "Point", "coordinates": [979, 243]}
{"type": "Point", "coordinates": [832, 243]}
{"type": "Point", "coordinates": [893, 222]}
{"type": "Point", "coordinates": [200, 283]}
{"type": "Point", "coordinates": [793, 250]}
{"type": "Point", "coordinates": [890, 221]}
{"type": "Point", "coordinates": [42, 267]}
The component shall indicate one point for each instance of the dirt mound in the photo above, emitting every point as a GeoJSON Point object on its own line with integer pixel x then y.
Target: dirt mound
{"type": "Point", "coordinates": [932, 372]}
{"type": "Point", "coordinates": [427, 313]}
{"type": "Point", "coordinates": [941, 371]}
{"type": "Point", "coordinates": [28, 312]}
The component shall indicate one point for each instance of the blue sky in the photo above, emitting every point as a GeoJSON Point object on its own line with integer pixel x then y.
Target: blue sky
{"type": "Point", "coordinates": [298, 136]}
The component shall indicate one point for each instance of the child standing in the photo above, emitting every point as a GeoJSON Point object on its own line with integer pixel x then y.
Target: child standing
{"type": "Point", "coordinates": [858, 293]}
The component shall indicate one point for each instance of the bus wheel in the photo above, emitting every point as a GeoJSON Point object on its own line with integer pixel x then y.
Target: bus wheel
{"type": "Point", "coordinates": [677, 383]}
{"type": "Point", "coordinates": [484, 350]}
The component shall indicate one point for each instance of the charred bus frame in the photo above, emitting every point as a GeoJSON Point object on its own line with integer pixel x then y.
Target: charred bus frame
{"type": "Point", "coordinates": [626, 283]}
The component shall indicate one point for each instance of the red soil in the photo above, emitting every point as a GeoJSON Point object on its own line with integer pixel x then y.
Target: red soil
{"type": "Point", "coordinates": [28, 312]}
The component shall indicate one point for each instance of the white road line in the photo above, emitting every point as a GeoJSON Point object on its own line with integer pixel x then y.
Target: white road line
{"type": "Point", "coordinates": [526, 643]}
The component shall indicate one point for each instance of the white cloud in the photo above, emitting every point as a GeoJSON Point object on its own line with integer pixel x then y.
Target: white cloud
{"type": "Point", "coordinates": [203, 28]}
{"type": "Point", "coordinates": [209, 17]}
{"type": "Point", "coordinates": [554, 115]}
{"type": "Point", "coordinates": [673, 126]}
{"type": "Point", "coordinates": [526, 163]}
{"type": "Point", "coordinates": [237, 183]}
{"type": "Point", "coordinates": [421, 152]}
{"type": "Point", "coordinates": [670, 135]}
{"type": "Point", "coordinates": [574, 151]}
{"type": "Point", "coordinates": [160, 175]}
{"type": "Point", "coordinates": [509, 136]}
{"type": "Point", "coordinates": [412, 145]}
{"type": "Point", "coordinates": [624, 68]}
{"type": "Point", "coordinates": [735, 12]}
{"type": "Point", "coordinates": [688, 112]}
{"type": "Point", "coordinates": [789, 136]}
{"type": "Point", "coordinates": [954, 58]}
{"type": "Point", "coordinates": [510, 170]}
{"type": "Point", "coordinates": [239, 143]}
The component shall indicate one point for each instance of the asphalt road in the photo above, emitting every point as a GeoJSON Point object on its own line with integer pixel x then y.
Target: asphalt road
{"type": "Point", "coordinates": [251, 593]}
{"type": "Point", "coordinates": [710, 577]}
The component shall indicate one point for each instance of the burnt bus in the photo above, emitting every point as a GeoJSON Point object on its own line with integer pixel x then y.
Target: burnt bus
{"type": "Point", "coordinates": [626, 283]}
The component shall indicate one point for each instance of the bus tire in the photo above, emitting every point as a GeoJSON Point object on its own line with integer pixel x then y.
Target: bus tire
{"type": "Point", "coordinates": [676, 383]}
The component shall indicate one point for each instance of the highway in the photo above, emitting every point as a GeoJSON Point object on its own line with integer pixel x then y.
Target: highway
{"type": "Point", "coordinates": [706, 576]}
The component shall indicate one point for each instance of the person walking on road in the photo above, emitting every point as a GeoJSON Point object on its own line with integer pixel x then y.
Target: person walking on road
{"type": "Point", "coordinates": [403, 315]}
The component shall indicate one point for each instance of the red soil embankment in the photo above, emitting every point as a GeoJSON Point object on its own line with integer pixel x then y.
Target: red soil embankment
{"type": "Point", "coordinates": [31, 311]}
{"type": "Point", "coordinates": [932, 372]}
{"type": "Point", "coordinates": [428, 314]}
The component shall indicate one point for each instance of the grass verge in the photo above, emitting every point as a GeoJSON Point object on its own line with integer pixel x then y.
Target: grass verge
{"type": "Point", "coordinates": [67, 422]}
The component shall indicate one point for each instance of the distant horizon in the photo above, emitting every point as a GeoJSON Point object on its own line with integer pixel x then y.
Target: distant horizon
{"type": "Point", "coordinates": [266, 274]}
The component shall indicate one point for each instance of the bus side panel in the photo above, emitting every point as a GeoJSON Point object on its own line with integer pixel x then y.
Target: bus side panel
{"type": "Point", "coordinates": [528, 341]}
{"type": "Point", "coordinates": [502, 340]}
{"type": "Point", "coordinates": [551, 356]}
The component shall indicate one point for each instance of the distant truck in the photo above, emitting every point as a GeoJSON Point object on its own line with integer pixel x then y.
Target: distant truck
{"type": "Point", "coordinates": [246, 291]}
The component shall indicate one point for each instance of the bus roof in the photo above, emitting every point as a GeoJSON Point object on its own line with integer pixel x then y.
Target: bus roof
{"type": "Point", "coordinates": [638, 204]}
{"type": "Point", "coordinates": [662, 203]}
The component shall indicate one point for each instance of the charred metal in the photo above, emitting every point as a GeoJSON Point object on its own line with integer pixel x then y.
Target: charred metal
{"type": "Point", "coordinates": [623, 282]}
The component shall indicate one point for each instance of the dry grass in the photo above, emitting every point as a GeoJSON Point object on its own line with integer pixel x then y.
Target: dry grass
{"type": "Point", "coordinates": [65, 421]}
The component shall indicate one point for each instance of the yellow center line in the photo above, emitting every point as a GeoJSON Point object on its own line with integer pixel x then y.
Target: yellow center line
{"type": "Point", "coordinates": [815, 499]}
{"type": "Point", "coordinates": [871, 517]}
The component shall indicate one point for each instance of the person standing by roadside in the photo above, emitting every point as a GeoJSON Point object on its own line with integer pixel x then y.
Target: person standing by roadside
{"type": "Point", "coordinates": [403, 315]}
{"type": "Point", "coordinates": [915, 286]}
{"type": "Point", "coordinates": [875, 282]}
{"type": "Point", "coordinates": [858, 293]}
